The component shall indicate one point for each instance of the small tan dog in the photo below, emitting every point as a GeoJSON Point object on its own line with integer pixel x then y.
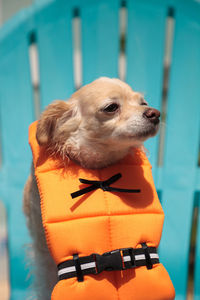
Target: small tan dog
{"type": "Point", "coordinates": [96, 127]}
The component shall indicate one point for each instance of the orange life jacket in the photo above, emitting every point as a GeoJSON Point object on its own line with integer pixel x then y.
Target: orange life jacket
{"type": "Point", "coordinates": [101, 221]}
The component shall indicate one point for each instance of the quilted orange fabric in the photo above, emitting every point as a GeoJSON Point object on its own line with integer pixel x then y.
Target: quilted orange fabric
{"type": "Point", "coordinates": [101, 221]}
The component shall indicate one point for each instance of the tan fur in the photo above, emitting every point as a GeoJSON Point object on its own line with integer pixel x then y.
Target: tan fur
{"type": "Point", "coordinates": [80, 129]}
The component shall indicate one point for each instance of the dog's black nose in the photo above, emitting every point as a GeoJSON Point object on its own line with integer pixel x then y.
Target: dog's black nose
{"type": "Point", "coordinates": [152, 115]}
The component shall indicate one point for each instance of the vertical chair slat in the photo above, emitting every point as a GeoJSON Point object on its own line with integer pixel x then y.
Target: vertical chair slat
{"type": "Point", "coordinates": [54, 39]}
{"type": "Point", "coordinates": [99, 38]}
{"type": "Point", "coordinates": [145, 54]}
{"type": "Point", "coordinates": [182, 139]}
{"type": "Point", "coordinates": [16, 109]}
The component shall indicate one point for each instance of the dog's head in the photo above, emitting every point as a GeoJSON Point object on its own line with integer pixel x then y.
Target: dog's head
{"type": "Point", "coordinates": [103, 117]}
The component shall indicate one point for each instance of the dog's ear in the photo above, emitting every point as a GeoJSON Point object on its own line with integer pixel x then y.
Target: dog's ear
{"type": "Point", "coordinates": [49, 119]}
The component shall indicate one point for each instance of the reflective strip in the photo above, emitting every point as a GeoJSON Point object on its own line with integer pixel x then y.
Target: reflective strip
{"type": "Point", "coordinates": [73, 269]}
{"type": "Point", "coordinates": [88, 265]}
{"type": "Point", "coordinates": [154, 255]}
{"type": "Point", "coordinates": [66, 270]}
{"type": "Point", "coordinates": [126, 258]}
{"type": "Point", "coordinates": [139, 257]}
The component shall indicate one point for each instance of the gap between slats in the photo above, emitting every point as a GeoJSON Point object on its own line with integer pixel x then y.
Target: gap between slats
{"type": "Point", "coordinates": [193, 243]}
{"type": "Point", "coordinates": [122, 41]}
{"type": "Point", "coordinates": [34, 68]}
{"type": "Point", "coordinates": [170, 23]}
{"type": "Point", "coordinates": [77, 51]}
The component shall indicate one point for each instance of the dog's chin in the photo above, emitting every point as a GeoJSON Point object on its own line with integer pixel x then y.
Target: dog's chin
{"type": "Point", "coordinates": [148, 132]}
{"type": "Point", "coordinates": [142, 135]}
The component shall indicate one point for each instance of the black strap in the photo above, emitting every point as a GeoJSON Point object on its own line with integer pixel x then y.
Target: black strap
{"type": "Point", "coordinates": [104, 185]}
{"type": "Point", "coordinates": [147, 256]}
{"type": "Point", "coordinates": [77, 264]}
{"type": "Point", "coordinates": [120, 259]}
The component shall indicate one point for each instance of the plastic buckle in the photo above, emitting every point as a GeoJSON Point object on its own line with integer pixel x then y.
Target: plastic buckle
{"type": "Point", "coordinates": [109, 261]}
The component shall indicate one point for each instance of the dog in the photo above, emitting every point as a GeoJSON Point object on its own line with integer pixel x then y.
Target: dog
{"type": "Point", "coordinates": [105, 114]}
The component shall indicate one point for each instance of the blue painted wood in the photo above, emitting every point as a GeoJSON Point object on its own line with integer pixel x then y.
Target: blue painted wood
{"type": "Point", "coordinates": [198, 180]}
{"type": "Point", "coordinates": [100, 38]}
{"type": "Point", "coordinates": [16, 113]}
{"type": "Point", "coordinates": [145, 55]}
{"type": "Point", "coordinates": [51, 22]}
{"type": "Point", "coordinates": [180, 164]}
{"type": "Point", "coordinates": [53, 29]}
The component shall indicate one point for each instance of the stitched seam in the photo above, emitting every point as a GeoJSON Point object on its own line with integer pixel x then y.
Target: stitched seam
{"type": "Point", "coordinates": [109, 225]}
{"type": "Point", "coordinates": [110, 238]}
{"type": "Point", "coordinates": [41, 202]}
{"type": "Point", "coordinates": [62, 168]}
{"type": "Point", "coordinates": [96, 216]}
{"type": "Point", "coordinates": [43, 212]}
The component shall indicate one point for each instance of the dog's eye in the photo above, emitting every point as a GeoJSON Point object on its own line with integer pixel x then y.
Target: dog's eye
{"type": "Point", "coordinates": [111, 108]}
{"type": "Point", "coordinates": [144, 103]}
